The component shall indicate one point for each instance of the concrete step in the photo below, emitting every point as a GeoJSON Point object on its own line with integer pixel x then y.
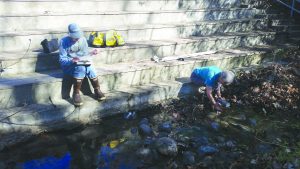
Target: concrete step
{"type": "Point", "coordinates": [20, 7]}
{"type": "Point", "coordinates": [286, 28]}
{"type": "Point", "coordinates": [294, 33]}
{"type": "Point", "coordinates": [287, 21]}
{"type": "Point", "coordinates": [20, 123]}
{"type": "Point", "coordinates": [270, 16]}
{"type": "Point", "coordinates": [45, 87]}
{"type": "Point", "coordinates": [119, 18]}
{"type": "Point", "coordinates": [295, 40]}
{"type": "Point", "coordinates": [259, 4]}
{"type": "Point", "coordinates": [21, 62]}
{"type": "Point", "coordinates": [135, 32]}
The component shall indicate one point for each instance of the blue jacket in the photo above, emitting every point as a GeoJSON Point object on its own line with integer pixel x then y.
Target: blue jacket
{"type": "Point", "coordinates": [69, 49]}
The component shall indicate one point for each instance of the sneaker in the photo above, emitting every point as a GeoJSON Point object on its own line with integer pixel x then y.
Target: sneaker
{"type": "Point", "coordinates": [201, 89]}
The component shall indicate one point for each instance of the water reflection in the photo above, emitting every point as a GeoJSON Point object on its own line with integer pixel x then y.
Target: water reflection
{"type": "Point", "coordinates": [49, 162]}
{"type": "Point", "coordinates": [108, 157]}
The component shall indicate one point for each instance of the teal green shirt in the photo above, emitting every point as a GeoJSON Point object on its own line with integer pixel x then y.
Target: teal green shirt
{"type": "Point", "coordinates": [209, 75]}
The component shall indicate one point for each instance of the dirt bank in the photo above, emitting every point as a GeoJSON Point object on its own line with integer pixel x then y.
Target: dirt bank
{"type": "Point", "coordinates": [274, 88]}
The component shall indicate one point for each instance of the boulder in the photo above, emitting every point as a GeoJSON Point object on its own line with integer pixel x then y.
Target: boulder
{"type": "Point", "coordinates": [166, 146]}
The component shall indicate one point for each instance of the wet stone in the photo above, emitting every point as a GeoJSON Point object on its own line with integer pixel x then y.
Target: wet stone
{"type": "Point", "coordinates": [174, 165]}
{"type": "Point", "coordinates": [276, 165]}
{"type": "Point", "coordinates": [235, 155]}
{"type": "Point", "coordinates": [144, 121]}
{"type": "Point", "coordinates": [207, 150]}
{"type": "Point", "coordinates": [165, 127]}
{"type": "Point", "coordinates": [166, 146]}
{"type": "Point", "coordinates": [242, 117]}
{"type": "Point", "coordinates": [148, 141]}
{"type": "Point", "coordinates": [134, 130]}
{"type": "Point", "coordinates": [253, 162]}
{"type": "Point", "coordinates": [297, 163]}
{"type": "Point", "coordinates": [230, 144]}
{"type": "Point", "coordinates": [188, 158]}
{"type": "Point", "coordinates": [129, 115]}
{"type": "Point", "coordinates": [2, 165]}
{"type": "Point", "coordinates": [288, 166]}
{"type": "Point", "coordinates": [187, 134]}
{"type": "Point", "coordinates": [221, 139]}
{"type": "Point", "coordinates": [207, 161]}
{"type": "Point", "coordinates": [212, 115]}
{"type": "Point", "coordinates": [215, 125]}
{"type": "Point", "coordinates": [163, 134]}
{"type": "Point", "coordinates": [201, 140]}
{"type": "Point", "coordinates": [145, 154]}
{"type": "Point", "coordinates": [145, 130]}
{"type": "Point", "coordinates": [263, 148]}
{"type": "Point", "coordinates": [252, 122]}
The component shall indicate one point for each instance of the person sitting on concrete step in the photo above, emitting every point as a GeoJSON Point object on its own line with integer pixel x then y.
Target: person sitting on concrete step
{"type": "Point", "coordinates": [212, 78]}
{"type": "Point", "coordinates": [73, 48]}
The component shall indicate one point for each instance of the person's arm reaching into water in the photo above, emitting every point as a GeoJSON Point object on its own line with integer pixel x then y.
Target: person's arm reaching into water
{"type": "Point", "coordinates": [219, 95]}
{"type": "Point", "coordinates": [215, 105]}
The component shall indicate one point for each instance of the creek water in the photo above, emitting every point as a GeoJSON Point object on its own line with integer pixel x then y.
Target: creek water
{"type": "Point", "coordinates": [241, 137]}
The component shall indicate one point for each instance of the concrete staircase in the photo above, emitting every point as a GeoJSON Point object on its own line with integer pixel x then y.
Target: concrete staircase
{"type": "Point", "coordinates": [226, 33]}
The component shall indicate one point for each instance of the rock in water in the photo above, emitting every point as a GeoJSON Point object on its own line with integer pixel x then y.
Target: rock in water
{"type": "Point", "coordinates": [276, 165]}
{"type": "Point", "coordinates": [145, 154]}
{"type": "Point", "coordinates": [166, 146]}
{"type": "Point", "coordinates": [188, 158]}
{"type": "Point", "coordinates": [207, 150]}
{"type": "Point", "coordinates": [230, 144]}
{"type": "Point", "coordinates": [145, 130]}
{"type": "Point", "coordinates": [263, 148]}
{"type": "Point", "coordinates": [144, 121]}
{"type": "Point", "coordinates": [288, 166]}
{"type": "Point", "coordinates": [165, 127]}
{"type": "Point", "coordinates": [215, 125]}
{"type": "Point", "coordinates": [252, 122]}
{"type": "Point", "coordinates": [202, 140]}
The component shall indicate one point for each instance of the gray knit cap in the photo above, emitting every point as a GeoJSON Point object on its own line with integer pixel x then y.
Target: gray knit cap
{"type": "Point", "coordinates": [74, 31]}
{"type": "Point", "coordinates": [227, 76]}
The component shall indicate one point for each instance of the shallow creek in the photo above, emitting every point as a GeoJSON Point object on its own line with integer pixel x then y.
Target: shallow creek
{"type": "Point", "coordinates": [194, 137]}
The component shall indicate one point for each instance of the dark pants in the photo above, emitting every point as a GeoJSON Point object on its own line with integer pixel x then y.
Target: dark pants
{"type": "Point", "coordinates": [197, 80]}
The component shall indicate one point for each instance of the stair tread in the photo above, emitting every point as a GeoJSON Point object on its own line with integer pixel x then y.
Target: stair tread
{"type": "Point", "coordinates": [123, 28]}
{"type": "Point", "coordinates": [56, 75]}
{"type": "Point", "coordinates": [133, 44]}
{"type": "Point", "coordinates": [126, 12]}
{"type": "Point", "coordinates": [38, 114]}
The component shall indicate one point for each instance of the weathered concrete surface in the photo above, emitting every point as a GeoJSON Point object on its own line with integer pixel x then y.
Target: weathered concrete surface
{"type": "Point", "coordinates": [136, 32]}
{"type": "Point", "coordinates": [38, 88]}
{"type": "Point", "coordinates": [113, 19]}
{"type": "Point", "coordinates": [21, 7]}
{"type": "Point", "coordinates": [15, 63]}
{"type": "Point", "coordinates": [20, 123]}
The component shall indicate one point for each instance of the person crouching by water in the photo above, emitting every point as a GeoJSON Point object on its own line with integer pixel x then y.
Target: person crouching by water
{"type": "Point", "coordinates": [212, 78]}
{"type": "Point", "coordinates": [75, 62]}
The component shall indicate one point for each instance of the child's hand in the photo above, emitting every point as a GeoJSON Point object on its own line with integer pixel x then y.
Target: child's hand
{"type": "Point", "coordinates": [94, 52]}
{"type": "Point", "coordinates": [75, 59]}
